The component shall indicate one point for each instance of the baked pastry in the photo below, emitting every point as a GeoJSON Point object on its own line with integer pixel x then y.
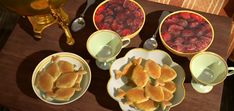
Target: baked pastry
{"type": "Point", "coordinates": [139, 77]}
{"type": "Point", "coordinates": [65, 66]}
{"type": "Point", "coordinates": [53, 70]}
{"type": "Point", "coordinates": [170, 86]}
{"type": "Point", "coordinates": [137, 61]}
{"type": "Point", "coordinates": [126, 69]}
{"type": "Point", "coordinates": [153, 69]}
{"type": "Point", "coordinates": [167, 95]}
{"type": "Point", "coordinates": [154, 92]}
{"type": "Point", "coordinates": [64, 94]}
{"type": "Point", "coordinates": [136, 95]}
{"type": "Point", "coordinates": [167, 73]}
{"type": "Point", "coordinates": [148, 105]}
{"type": "Point", "coordinates": [45, 82]}
{"type": "Point", "coordinates": [79, 79]}
{"type": "Point", "coordinates": [67, 80]}
{"type": "Point", "coordinates": [159, 83]}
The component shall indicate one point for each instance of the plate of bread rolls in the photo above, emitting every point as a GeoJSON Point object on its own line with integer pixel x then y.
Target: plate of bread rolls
{"type": "Point", "coordinates": [145, 80]}
{"type": "Point", "coordinates": [61, 78]}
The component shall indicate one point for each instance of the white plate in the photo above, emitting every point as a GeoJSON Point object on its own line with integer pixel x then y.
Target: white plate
{"type": "Point", "coordinates": [71, 58]}
{"type": "Point", "coordinates": [158, 56]}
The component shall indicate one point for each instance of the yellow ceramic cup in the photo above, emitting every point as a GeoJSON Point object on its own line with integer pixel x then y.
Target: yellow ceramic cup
{"type": "Point", "coordinates": [104, 46]}
{"type": "Point", "coordinates": [208, 69]}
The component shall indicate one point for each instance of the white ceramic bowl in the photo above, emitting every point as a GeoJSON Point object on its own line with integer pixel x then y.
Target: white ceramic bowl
{"type": "Point", "coordinates": [71, 58]}
{"type": "Point", "coordinates": [158, 56]}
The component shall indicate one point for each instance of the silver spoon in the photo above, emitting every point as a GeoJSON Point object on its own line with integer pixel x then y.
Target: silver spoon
{"type": "Point", "coordinates": [151, 43]}
{"type": "Point", "coordinates": [79, 22]}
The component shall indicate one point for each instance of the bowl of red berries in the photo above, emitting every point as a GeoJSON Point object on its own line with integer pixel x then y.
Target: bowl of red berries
{"type": "Point", "coordinates": [186, 33]}
{"type": "Point", "coordinates": [126, 17]}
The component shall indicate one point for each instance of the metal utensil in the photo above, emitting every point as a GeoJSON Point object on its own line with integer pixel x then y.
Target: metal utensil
{"type": "Point", "coordinates": [79, 22]}
{"type": "Point", "coordinates": [151, 43]}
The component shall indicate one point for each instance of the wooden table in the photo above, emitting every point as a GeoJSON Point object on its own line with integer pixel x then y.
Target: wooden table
{"type": "Point", "coordinates": [22, 53]}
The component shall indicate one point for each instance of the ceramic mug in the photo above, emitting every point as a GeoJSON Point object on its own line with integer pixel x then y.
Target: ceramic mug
{"type": "Point", "coordinates": [208, 69]}
{"type": "Point", "coordinates": [104, 46]}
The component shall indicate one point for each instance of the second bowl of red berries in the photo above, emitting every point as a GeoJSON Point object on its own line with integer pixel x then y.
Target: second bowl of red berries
{"type": "Point", "coordinates": [126, 17]}
{"type": "Point", "coordinates": [186, 33]}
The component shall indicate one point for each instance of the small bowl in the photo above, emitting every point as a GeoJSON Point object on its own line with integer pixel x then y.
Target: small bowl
{"type": "Point", "coordinates": [185, 33]}
{"type": "Point", "coordinates": [71, 58]}
{"type": "Point", "coordinates": [109, 24]}
{"type": "Point", "coordinates": [158, 56]}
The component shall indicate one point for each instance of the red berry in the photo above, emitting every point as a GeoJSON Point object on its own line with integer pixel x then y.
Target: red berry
{"type": "Point", "coordinates": [125, 32]}
{"type": "Point", "coordinates": [183, 22]}
{"type": "Point", "coordinates": [187, 33]}
{"type": "Point", "coordinates": [179, 48]}
{"type": "Point", "coordinates": [191, 47]}
{"type": "Point", "coordinates": [166, 36]}
{"type": "Point", "coordinates": [196, 17]}
{"type": "Point", "coordinates": [193, 24]}
{"type": "Point", "coordinates": [185, 15]}
{"type": "Point", "coordinates": [101, 9]}
{"type": "Point", "coordinates": [99, 18]}
{"type": "Point", "coordinates": [179, 41]}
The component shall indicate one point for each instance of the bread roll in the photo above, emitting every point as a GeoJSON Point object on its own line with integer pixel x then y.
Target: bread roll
{"type": "Point", "coordinates": [139, 77]}
{"type": "Point", "coordinates": [153, 69]}
{"type": "Point", "coordinates": [136, 95]}
{"type": "Point", "coordinates": [148, 105]}
{"type": "Point", "coordinates": [53, 70]}
{"type": "Point", "coordinates": [67, 80]}
{"type": "Point", "coordinates": [167, 73]}
{"type": "Point", "coordinates": [170, 86]}
{"type": "Point", "coordinates": [154, 92]}
{"type": "Point", "coordinates": [45, 82]}
{"type": "Point", "coordinates": [65, 66]}
{"type": "Point", "coordinates": [64, 94]}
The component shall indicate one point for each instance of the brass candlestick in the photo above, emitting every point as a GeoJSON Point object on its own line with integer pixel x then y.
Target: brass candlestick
{"type": "Point", "coordinates": [42, 14]}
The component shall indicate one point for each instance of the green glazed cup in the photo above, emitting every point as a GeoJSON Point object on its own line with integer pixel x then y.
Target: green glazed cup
{"type": "Point", "coordinates": [104, 46]}
{"type": "Point", "coordinates": [208, 69]}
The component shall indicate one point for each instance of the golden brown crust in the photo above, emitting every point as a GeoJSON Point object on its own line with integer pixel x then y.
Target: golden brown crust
{"type": "Point", "coordinates": [170, 86]}
{"type": "Point", "coordinates": [137, 61]}
{"type": "Point", "coordinates": [153, 69]}
{"type": "Point", "coordinates": [139, 77]}
{"type": "Point", "coordinates": [67, 80]}
{"type": "Point", "coordinates": [65, 66]}
{"type": "Point", "coordinates": [167, 95]}
{"type": "Point", "coordinates": [118, 74]}
{"type": "Point", "coordinates": [167, 73]}
{"type": "Point", "coordinates": [136, 95]}
{"type": "Point", "coordinates": [45, 82]}
{"type": "Point", "coordinates": [53, 70]}
{"type": "Point", "coordinates": [64, 94]}
{"type": "Point", "coordinates": [148, 105]}
{"type": "Point", "coordinates": [154, 92]}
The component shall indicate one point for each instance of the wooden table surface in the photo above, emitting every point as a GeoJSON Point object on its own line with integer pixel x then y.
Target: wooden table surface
{"type": "Point", "coordinates": [22, 53]}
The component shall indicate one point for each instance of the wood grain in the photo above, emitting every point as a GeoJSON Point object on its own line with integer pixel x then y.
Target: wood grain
{"type": "Point", "coordinates": [22, 53]}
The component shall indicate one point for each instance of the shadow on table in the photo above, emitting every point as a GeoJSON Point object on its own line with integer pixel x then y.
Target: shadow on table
{"type": "Point", "coordinates": [150, 26]}
{"type": "Point", "coordinates": [25, 71]}
{"type": "Point", "coordinates": [82, 35]}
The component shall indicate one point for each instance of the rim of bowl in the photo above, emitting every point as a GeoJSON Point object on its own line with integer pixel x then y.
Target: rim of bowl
{"type": "Point", "coordinates": [210, 53]}
{"type": "Point", "coordinates": [158, 50]}
{"type": "Point", "coordinates": [184, 53]}
{"type": "Point", "coordinates": [128, 36]}
{"type": "Point", "coordinates": [42, 63]}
